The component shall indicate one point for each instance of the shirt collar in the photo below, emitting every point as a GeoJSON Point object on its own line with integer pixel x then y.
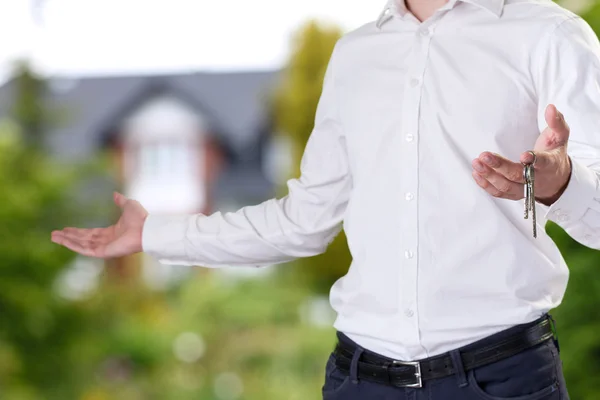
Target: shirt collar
{"type": "Point", "coordinates": [398, 7]}
{"type": "Point", "coordinates": [494, 6]}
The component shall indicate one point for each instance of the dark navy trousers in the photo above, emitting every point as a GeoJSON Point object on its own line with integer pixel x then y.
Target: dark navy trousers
{"type": "Point", "coordinates": [534, 374]}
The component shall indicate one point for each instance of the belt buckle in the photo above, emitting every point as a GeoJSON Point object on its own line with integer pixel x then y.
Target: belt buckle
{"type": "Point", "coordinates": [417, 365]}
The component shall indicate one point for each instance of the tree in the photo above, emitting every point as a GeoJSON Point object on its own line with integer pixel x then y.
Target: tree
{"type": "Point", "coordinates": [28, 109]}
{"type": "Point", "coordinates": [295, 104]}
{"type": "Point", "coordinates": [35, 323]}
{"type": "Point", "coordinates": [39, 330]}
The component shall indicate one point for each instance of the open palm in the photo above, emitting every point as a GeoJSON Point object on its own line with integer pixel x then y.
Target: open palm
{"type": "Point", "coordinates": [121, 239]}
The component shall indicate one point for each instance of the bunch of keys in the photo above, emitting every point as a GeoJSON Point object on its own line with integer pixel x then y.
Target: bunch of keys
{"type": "Point", "coordinates": [529, 177]}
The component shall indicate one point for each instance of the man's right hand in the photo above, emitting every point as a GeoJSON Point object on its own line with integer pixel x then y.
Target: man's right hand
{"type": "Point", "coordinates": [121, 239]}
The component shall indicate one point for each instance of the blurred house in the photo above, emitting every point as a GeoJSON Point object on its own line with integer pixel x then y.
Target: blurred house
{"type": "Point", "coordinates": [181, 143]}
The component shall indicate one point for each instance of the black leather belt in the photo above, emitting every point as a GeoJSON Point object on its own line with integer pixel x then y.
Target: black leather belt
{"type": "Point", "coordinates": [384, 370]}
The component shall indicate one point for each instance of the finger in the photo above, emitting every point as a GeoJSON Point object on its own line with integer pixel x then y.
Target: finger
{"type": "Point", "coordinates": [510, 170]}
{"type": "Point", "coordinates": [120, 200]}
{"type": "Point", "coordinates": [78, 233]}
{"type": "Point", "coordinates": [83, 247]}
{"type": "Point", "coordinates": [56, 235]}
{"type": "Point", "coordinates": [507, 189]}
{"type": "Point", "coordinates": [557, 123]}
{"type": "Point", "coordinates": [484, 184]}
{"type": "Point", "coordinates": [86, 234]}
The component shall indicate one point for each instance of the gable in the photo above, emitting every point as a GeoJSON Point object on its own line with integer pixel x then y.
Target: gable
{"type": "Point", "coordinates": [88, 110]}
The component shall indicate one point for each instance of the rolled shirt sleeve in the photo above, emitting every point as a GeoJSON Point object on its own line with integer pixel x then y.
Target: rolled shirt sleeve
{"type": "Point", "coordinates": [568, 76]}
{"type": "Point", "coordinates": [301, 224]}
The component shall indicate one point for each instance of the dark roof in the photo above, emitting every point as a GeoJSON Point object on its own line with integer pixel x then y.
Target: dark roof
{"type": "Point", "coordinates": [85, 108]}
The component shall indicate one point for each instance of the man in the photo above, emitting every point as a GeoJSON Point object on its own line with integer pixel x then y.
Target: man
{"type": "Point", "coordinates": [425, 121]}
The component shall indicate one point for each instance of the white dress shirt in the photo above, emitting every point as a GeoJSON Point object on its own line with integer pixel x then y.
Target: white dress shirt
{"type": "Point", "coordinates": [406, 106]}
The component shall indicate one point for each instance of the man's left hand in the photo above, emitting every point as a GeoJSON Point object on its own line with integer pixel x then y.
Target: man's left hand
{"type": "Point", "coordinates": [503, 178]}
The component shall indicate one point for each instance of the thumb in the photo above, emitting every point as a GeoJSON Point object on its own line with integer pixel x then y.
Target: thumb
{"type": "Point", "coordinates": [119, 199]}
{"type": "Point", "coordinates": [557, 124]}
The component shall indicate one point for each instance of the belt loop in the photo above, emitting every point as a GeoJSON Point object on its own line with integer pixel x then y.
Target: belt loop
{"type": "Point", "coordinates": [554, 332]}
{"type": "Point", "coordinates": [354, 364]}
{"type": "Point", "coordinates": [459, 368]}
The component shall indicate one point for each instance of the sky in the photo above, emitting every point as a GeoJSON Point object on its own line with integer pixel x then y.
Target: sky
{"type": "Point", "coordinates": [92, 37]}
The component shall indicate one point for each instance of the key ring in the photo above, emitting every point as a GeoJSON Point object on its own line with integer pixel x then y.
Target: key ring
{"type": "Point", "coordinates": [534, 157]}
{"type": "Point", "coordinates": [525, 169]}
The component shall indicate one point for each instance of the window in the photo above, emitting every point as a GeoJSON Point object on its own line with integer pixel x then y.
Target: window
{"type": "Point", "coordinates": [148, 161]}
{"type": "Point", "coordinates": [166, 160]}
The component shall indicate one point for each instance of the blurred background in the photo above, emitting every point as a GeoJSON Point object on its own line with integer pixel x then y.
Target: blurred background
{"type": "Point", "coordinates": [187, 106]}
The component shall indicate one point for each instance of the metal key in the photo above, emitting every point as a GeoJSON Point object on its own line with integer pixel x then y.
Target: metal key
{"type": "Point", "coordinates": [526, 188]}
{"type": "Point", "coordinates": [529, 176]}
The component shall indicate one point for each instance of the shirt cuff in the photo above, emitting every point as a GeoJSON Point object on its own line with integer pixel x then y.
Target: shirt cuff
{"type": "Point", "coordinates": [164, 238]}
{"type": "Point", "coordinates": [577, 197]}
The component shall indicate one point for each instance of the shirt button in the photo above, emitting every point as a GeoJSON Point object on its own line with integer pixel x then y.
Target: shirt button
{"type": "Point", "coordinates": [425, 32]}
{"type": "Point", "coordinates": [409, 313]}
{"type": "Point", "coordinates": [563, 218]}
{"type": "Point", "coordinates": [409, 196]}
{"type": "Point", "coordinates": [408, 254]}
{"type": "Point", "coordinates": [589, 238]}
{"type": "Point", "coordinates": [409, 138]}
{"type": "Point", "coordinates": [414, 82]}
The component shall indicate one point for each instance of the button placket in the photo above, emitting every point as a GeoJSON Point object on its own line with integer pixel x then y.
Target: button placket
{"type": "Point", "coordinates": [409, 176]}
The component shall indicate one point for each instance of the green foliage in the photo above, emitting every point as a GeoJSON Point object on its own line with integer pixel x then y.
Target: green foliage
{"type": "Point", "coordinates": [35, 324]}
{"type": "Point", "coordinates": [592, 15]}
{"type": "Point", "coordinates": [39, 330]}
{"type": "Point", "coordinates": [300, 90]}
{"type": "Point", "coordinates": [249, 331]}
{"type": "Point", "coordinates": [294, 108]}
{"type": "Point", "coordinates": [578, 318]}
{"type": "Point", "coordinates": [254, 329]}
